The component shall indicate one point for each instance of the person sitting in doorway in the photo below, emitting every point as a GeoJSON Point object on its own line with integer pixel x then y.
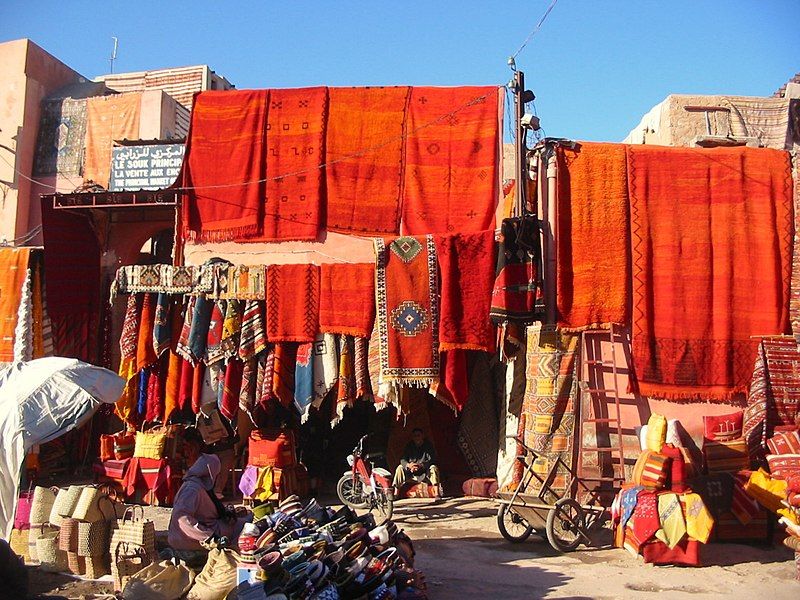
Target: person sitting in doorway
{"type": "Point", "coordinates": [418, 464]}
{"type": "Point", "coordinates": [198, 517]}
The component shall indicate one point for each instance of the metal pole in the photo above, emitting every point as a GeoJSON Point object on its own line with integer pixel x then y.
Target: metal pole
{"type": "Point", "coordinates": [519, 140]}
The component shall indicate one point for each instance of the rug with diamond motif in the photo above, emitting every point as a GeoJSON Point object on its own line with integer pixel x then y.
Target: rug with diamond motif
{"type": "Point", "coordinates": [407, 307]}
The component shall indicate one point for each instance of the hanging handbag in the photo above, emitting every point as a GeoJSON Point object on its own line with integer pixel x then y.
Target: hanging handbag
{"type": "Point", "coordinates": [150, 444]}
{"type": "Point", "coordinates": [22, 517]}
{"type": "Point", "coordinates": [42, 505]}
{"type": "Point", "coordinates": [162, 580]}
{"type": "Point", "coordinates": [210, 425]}
{"type": "Point", "coordinates": [87, 507]}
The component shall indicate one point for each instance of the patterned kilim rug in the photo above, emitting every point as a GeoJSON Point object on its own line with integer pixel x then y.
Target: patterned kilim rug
{"type": "Point", "coordinates": [548, 405]}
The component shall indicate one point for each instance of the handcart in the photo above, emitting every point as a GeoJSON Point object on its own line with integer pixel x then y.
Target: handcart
{"type": "Point", "coordinates": [560, 518]}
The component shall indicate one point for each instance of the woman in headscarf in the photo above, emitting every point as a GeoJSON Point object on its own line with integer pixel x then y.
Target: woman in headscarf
{"type": "Point", "coordinates": [198, 516]}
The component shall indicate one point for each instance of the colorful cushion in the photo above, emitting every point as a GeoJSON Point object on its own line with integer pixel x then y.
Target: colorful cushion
{"type": "Point", "coordinates": [767, 490]}
{"type": "Point", "coordinates": [784, 465]}
{"type": "Point", "coordinates": [677, 474]}
{"type": "Point", "coordinates": [726, 456]}
{"type": "Point", "coordinates": [723, 427]}
{"type": "Point", "coordinates": [656, 432]}
{"type": "Point", "coordinates": [651, 470]}
{"type": "Point", "coordinates": [784, 442]}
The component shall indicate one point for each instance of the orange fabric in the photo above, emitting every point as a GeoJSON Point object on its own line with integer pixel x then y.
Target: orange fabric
{"type": "Point", "coordinates": [283, 378]}
{"type": "Point", "coordinates": [145, 353]}
{"type": "Point", "coordinates": [292, 303]}
{"type": "Point", "coordinates": [294, 152]}
{"type": "Point", "coordinates": [712, 245]}
{"type": "Point", "coordinates": [226, 145]}
{"type": "Point", "coordinates": [451, 173]}
{"type": "Point", "coordinates": [174, 364]}
{"type": "Point", "coordinates": [347, 299]}
{"type": "Point", "coordinates": [13, 270]}
{"type": "Point", "coordinates": [108, 118]}
{"type": "Point", "coordinates": [364, 152]}
{"type": "Point", "coordinates": [593, 236]}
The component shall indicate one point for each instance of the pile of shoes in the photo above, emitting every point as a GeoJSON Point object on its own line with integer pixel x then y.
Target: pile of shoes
{"type": "Point", "coordinates": [315, 552]}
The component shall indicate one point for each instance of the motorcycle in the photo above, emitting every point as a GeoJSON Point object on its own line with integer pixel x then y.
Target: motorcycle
{"type": "Point", "coordinates": [366, 486]}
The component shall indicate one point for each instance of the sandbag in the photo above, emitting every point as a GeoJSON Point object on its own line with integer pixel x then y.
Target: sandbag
{"type": "Point", "coordinates": [163, 580]}
{"type": "Point", "coordinates": [217, 578]}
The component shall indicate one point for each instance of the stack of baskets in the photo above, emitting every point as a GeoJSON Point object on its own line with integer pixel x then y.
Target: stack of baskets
{"type": "Point", "coordinates": [132, 546]}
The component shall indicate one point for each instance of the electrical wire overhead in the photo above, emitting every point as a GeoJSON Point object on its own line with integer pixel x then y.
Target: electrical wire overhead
{"type": "Point", "coordinates": [511, 59]}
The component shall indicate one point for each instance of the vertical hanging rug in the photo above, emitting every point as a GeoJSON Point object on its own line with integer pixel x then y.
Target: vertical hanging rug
{"type": "Point", "coordinates": [408, 311]}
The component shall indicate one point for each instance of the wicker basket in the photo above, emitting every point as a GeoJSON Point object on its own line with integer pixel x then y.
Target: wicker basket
{"type": "Point", "coordinates": [93, 538]}
{"type": "Point", "coordinates": [76, 564]}
{"type": "Point", "coordinates": [19, 544]}
{"type": "Point", "coordinates": [64, 504]}
{"type": "Point", "coordinates": [34, 533]}
{"type": "Point", "coordinates": [97, 566]}
{"type": "Point", "coordinates": [68, 538]}
{"type": "Point", "coordinates": [42, 505]}
{"type": "Point", "coordinates": [128, 559]}
{"type": "Point", "coordinates": [51, 557]}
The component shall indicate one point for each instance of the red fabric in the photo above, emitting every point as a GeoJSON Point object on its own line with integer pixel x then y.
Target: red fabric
{"type": "Point", "coordinates": [226, 147]}
{"type": "Point", "coordinates": [151, 478]}
{"type": "Point", "coordinates": [198, 373]}
{"type": "Point", "coordinates": [285, 360]}
{"type": "Point", "coordinates": [407, 299]}
{"type": "Point", "coordinates": [712, 241]}
{"type": "Point", "coordinates": [155, 390]}
{"type": "Point", "coordinates": [229, 405]}
{"type": "Point", "coordinates": [784, 465]}
{"type": "Point", "coordinates": [686, 552]}
{"type": "Point", "coordinates": [294, 151]}
{"type": "Point", "coordinates": [451, 176]}
{"type": "Point", "coordinates": [677, 473]}
{"type": "Point", "coordinates": [292, 303]}
{"type": "Point", "coordinates": [145, 353]}
{"type": "Point", "coordinates": [187, 381]}
{"type": "Point", "coordinates": [453, 385]}
{"type": "Point", "coordinates": [364, 156]}
{"type": "Point", "coordinates": [784, 442]}
{"type": "Point", "coordinates": [723, 427]}
{"type": "Point", "coordinates": [466, 263]}
{"type": "Point", "coordinates": [347, 299]}
{"type": "Point", "coordinates": [645, 516]}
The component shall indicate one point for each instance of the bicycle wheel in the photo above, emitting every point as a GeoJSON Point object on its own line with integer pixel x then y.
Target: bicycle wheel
{"type": "Point", "coordinates": [351, 491]}
{"type": "Point", "coordinates": [565, 524]}
{"type": "Point", "coordinates": [512, 527]}
{"type": "Point", "coordinates": [383, 503]}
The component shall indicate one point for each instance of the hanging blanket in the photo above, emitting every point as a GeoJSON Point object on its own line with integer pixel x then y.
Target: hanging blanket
{"type": "Point", "coordinates": [232, 387]}
{"type": "Point", "coordinates": [253, 337]}
{"type": "Point", "coordinates": [514, 292]}
{"type": "Point", "coordinates": [361, 366]}
{"type": "Point", "coordinates": [294, 186]}
{"type": "Point", "coordinates": [224, 166]}
{"type": "Point", "coordinates": [13, 271]}
{"type": "Point", "coordinates": [232, 328]}
{"type": "Point", "coordinates": [364, 156]}
{"type": "Point", "coordinates": [172, 385]}
{"type": "Point", "coordinates": [154, 408]}
{"type": "Point", "coordinates": [774, 398]}
{"type": "Point", "coordinates": [108, 118]}
{"type": "Point", "coordinates": [451, 173]}
{"type": "Point", "coordinates": [712, 240]}
{"type": "Point", "coordinates": [304, 379]}
{"type": "Point", "coordinates": [247, 393]}
{"type": "Point", "coordinates": [155, 278]}
{"type": "Point", "coordinates": [407, 306]}
{"type": "Point", "coordinates": [326, 366]}
{"type": "Point", "coordinates": [347, 299]}
{"type": "Point", "coordinates": [452, 387]}
{"type": "Point", "coordinates": [145, 353]}
{"type": "Point", "coordinates": [182, 347]}
{"type": "Point", "coordinates": [127, 366]}
{"type": "Point", "coordinates": [214, 350]}
{"type": "Point", "coordinates": [548, 403]}
{"type": "Point", "coordinates": [478, 430]}
{"type": "Point", "coordinates": [162, 327]}
{"type": "Point", "coordinates": [346, 392]}
{"type": "Point", "coordinates": [283, 373]}
{"type": "Point", "coordinates": [265, 378]}
{"type": "Point", "coordinates": [292, 303]}
{"type": "Point", "coordinates": [62, 134]}
{"type": "Point", "coordinates": [593, 235]}
{"type": "Point", "coordinates": [198, 334]}
{"type": "Point", "coordinates": [467, 262]}
{"type": "Point", "coordinates": [246, 282]}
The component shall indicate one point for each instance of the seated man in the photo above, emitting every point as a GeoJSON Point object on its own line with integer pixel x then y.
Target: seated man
{"type": "Point", "coordinates": [417, 463]}
{"type": "Point", "coordinates": [198, 516]}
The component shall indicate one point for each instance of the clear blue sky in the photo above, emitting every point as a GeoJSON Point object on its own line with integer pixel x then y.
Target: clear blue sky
{"type": "Point", "coordinates": [596, 66]}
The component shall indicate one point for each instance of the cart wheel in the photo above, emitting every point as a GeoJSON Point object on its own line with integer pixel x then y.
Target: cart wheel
{"type": "Point", "coordinates": [565, 522]}
{"type": "Point", "coordinates": [513, 527]}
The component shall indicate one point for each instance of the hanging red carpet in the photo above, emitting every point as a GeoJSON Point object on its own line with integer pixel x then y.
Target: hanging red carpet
{"type": "Point", "coordinates": [364, 153]}
{"type": "Point", "coordinates": [407, 305]}
{"type": "Point", "coordinates": [347, 299]}
{"type": "Point", "coordinates": [467, 263]}
{"type": "Point", "coordinates": [451, 178]}
{"type": "Point", "coordinates": [712, 251]}
{"type": "Point", "coordinates": [224, 167]}
{"type": "Point", "coordinates": [292, 303]}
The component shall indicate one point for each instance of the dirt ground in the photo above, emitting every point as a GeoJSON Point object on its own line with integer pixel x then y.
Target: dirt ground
{"type": "Point", "coordinates": [463, 556]}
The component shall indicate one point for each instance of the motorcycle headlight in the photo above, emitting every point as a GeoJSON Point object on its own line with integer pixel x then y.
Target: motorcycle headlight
{"type": "Point", "coordinates": [350, 460]}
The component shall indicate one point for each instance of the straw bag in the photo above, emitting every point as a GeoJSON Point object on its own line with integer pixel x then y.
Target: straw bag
{"type": "Point", "coordinates": [87, 508]}
{"type": "Point", "coordinates": [93, 538]}
{"type": "Point", "coordinates": [68, 537]}
{"type": "Point", "coordinates": [22, 516]}
{"type": "Point", "coordinates": [66, 499]}
{"type": "Point", "coordinates": [76, 564]}
{"type": "Point", "coordinates": [34, 533]}
{"type": "Point", "coordinates": [97, 566]}
{"type": "Point", "coordinates": [42, 504]}
{"type": "Point", "coordinates": [159, 581]}
{"type": "Point", "coordinates": [128, 559]}
{"type": "Point", "coordinates": [19, 544]}
{"type": "Point", "coordinates": [51, 557]}
{"type": "Point", "coordinates": [150, 444]}
{"type": "Point", "coordinates": [211, 427]}
{"type": "Point", "coordinates": [217, 578]}
{"type": "Point", "coordinates": [136, 530]}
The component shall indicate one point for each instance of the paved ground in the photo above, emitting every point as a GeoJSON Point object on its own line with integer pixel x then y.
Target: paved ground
{"type": "Point", "coordinates": [463, 556]}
